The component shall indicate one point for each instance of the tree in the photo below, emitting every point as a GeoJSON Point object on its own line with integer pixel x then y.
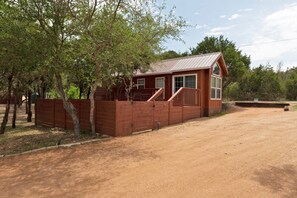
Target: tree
{"type": "Point", "coordinates": [170, 54]}
{"type": "Point", "coordinates": [261, 82]}
{"type": "Point", "coordinates": [236, 62]}
{"type": "Point", "coordinates": [57, 21]}
{"type": "Point", "coordinates": [123, 37]}
{"type": "Point", "coordinates": [18, 43]}
{"type": "Point", "coordinates": [291, 84]}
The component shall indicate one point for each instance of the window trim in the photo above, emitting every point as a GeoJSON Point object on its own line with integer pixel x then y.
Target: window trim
{"type": "Point", "coordinates": [184, 75]}
{"type": "Point", "coordinates": [141, 84]}
{"type": "Point", "coordinates": [163, 78]}
{"type": "Point", "coordinates": [216, 88]}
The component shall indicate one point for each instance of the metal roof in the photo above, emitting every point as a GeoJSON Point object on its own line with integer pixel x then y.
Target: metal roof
{"type": "Point", "coordinates": [197, 62]}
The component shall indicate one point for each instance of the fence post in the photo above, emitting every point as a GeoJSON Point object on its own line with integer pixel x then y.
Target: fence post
{"type": "Point", "coordinates": [54, 111]}
{"type": "Point", "coordinates": [169, 106]}
{"type": "Point", "coordinates": [79, 111]}
{"type": "Point", "coordinates": [35, 111]}
{"type": "Point", "coordinates": [183, 103]}
{"type": "Point", "coordinates": [65, 117]}
{"type": "Point", "coordinates": [95, 114]}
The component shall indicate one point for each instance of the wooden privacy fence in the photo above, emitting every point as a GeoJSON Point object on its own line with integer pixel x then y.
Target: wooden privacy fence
{"type": "Point", "coordinates": [117, 118]}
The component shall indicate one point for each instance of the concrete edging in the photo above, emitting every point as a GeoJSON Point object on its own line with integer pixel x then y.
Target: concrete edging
{"type": "Point", "coordinates": [58, 146]}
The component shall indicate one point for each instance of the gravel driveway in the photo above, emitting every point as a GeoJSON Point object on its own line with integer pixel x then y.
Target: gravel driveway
{"type": "Point", "coordinates": [248, 153]}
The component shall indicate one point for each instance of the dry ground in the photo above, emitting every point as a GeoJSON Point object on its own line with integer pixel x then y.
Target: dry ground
{"type": "Point", "coordinates": [26, 136]}
{"type": "Point", "coordinates": [249, 153]}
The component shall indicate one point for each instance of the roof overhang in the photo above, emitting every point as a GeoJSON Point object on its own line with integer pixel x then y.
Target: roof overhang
{"type": "Point", "coordinates": [222, 64]}
{"type": "Point", "coordinates": [171, 72]}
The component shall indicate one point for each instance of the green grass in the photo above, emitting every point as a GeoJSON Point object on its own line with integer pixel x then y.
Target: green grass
{"type": "Point", "coordinates": [294, 108]}
{"type": "Point", "coordinates": [29, 138]}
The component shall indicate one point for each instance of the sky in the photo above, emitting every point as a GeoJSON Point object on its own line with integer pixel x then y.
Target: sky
{"type": "Point", "coordinates": [264, 29]}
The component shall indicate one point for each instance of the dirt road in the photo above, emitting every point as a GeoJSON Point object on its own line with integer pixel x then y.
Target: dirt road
{"type": "Point", "coordinates": [250, 153]}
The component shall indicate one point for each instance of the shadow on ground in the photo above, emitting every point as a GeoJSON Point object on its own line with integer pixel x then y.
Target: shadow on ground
{"type": "Point", "coordinates": [281, 180]}
{"type": "Point", "coordinates": [65, 171]}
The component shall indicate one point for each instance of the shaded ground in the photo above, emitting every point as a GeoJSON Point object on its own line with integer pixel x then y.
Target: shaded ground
{"type": "Point", "coordinates": [248, 153]}
{"type": "Point", "coordinates": [26, 136]}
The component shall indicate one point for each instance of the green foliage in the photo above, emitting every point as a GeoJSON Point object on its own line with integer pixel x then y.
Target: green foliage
{"type": "Point", "coordinates": [169, 55]}
{"type": "Point", "coordinates": [262, 83]}
{"type": "Point", "coordinates": [236, 62]}
{"type": "Point", "coordinates": [73, 92]}
{"type": "Point", "coordinates": [232, 91]}
{"type": "Point", "coordinates": [291, 84]}
{"type": "Point", "coordinates": [52, 94]}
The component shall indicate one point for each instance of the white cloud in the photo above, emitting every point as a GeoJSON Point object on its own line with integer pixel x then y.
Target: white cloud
{"type": "Point", "coordinates": [196, 13]}
{"type": "Point", "coordinates": [245, 10]}
{"type": "Point", "coordinates": [219, 31]}
{"type": "Point", "coordinates": [198, 27]}
{"type": "Point", "coordinates": [277, 39]}
{"type": "Point", "coordinates": [223, 16]}
{"type": "Point", "coordinates": [214, 33]}
{"type": "Point", "coordinates": [234, 16]}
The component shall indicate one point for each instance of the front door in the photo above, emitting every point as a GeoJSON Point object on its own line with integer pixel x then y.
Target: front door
{"type": "Point", "coordinates": [189, 81]}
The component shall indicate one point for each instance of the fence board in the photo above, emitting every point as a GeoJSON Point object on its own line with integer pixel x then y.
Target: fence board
{"type": "Point", "coordinates": [115, 118]}
{"type": "Point", "coordinates": [60, 114]}
{"type": "Point", "coordinates": [124, 113]}
{"type": "Point", "coordinates": [142, 116]}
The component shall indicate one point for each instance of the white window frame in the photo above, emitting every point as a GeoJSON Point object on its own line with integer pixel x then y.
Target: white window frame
{"type": "Point", "coordinates": [183, 75]}
{"type": "Point", "coordinates": [141, 84]}
{"type": "Point", "coordinates": [217, 77]}
{"type": "Point", "coordinates": [163, 78]}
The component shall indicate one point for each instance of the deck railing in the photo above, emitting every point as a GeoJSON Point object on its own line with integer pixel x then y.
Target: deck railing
{"type": "Point", "coordinates": [143, 94]}
{"type": "Point", "coordinates": [159, 95]}
{"type": "Point", "coordinates": [186, 97]}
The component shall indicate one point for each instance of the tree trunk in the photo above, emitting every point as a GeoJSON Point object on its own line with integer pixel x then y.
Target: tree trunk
{"type": "Point", "coordinates": [13, 125]}
{"type": "Point", "coordinates": [5, 118]}
{"type": "Point", "coordinates": [67, 104]}
{"type": "Point", "coordinates": [89, 92]}
{"type": "Point", "coordinates": [27, 109]}
{"type": "Point", "coordinates": [43, 90]}
{"type": "Point", "coordinates": [29, 104]}
{"type": "Point", "coordinates": [92, 108]}
{"type": "Point", "coordinates": [80, 90]}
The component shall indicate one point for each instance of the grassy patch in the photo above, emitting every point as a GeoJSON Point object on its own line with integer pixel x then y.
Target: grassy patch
{"type": "Point", "coordinates": [294, 107]}
{"type": "Point", "coordinates": [27, 137]}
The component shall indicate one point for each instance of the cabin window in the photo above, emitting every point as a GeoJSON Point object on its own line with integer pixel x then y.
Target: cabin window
{"type": "Point", "coordinates": [141, 83]}
{"type": "Point", "coordinates": [216, 88]}
{"type": "Point", "coordinates": [216, 69]}
{"type": "Point", "coordinates": [189, 81]}
{"type": "Point", "coordinates": [160, 82]}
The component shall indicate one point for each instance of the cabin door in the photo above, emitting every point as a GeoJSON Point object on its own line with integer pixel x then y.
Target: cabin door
{"type": "Point", "coordinates": [188, 80]}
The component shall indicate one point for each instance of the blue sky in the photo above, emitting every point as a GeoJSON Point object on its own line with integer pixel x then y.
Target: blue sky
{"type": "Point", "coordinates": [264, 29]}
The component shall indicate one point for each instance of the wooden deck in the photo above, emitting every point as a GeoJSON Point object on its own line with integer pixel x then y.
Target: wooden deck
{"type": "Point", "coordinates": [265, 104]}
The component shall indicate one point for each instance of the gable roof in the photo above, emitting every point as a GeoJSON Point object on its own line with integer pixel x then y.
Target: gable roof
{"type": "Point", "coordinates": [189, 63]}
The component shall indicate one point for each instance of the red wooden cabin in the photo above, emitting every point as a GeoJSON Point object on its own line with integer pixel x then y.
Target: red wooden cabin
{"type": "Point", "coordinates": [203, 72]}
{"type": "Point", "coordinates": [199, 75]}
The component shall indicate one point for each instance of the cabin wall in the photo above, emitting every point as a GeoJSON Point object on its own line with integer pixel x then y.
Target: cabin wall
{"type": "Point", "coordinates": [150, 82]}
{"type": "Point", "coordinates": [215, 105]}
{"type": "Point", "coordinates": [208, 106]}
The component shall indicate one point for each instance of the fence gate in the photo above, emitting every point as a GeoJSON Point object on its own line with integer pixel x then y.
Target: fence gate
{"type": "Point", "coordinates": [142, 116]}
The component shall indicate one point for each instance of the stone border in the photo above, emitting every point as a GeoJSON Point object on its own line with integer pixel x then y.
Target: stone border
{"type": "Point", "coordinates": [58, 146]}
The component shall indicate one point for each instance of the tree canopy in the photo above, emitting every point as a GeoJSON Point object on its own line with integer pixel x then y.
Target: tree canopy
{"type": "Point", "coordinates": [237, 62]}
